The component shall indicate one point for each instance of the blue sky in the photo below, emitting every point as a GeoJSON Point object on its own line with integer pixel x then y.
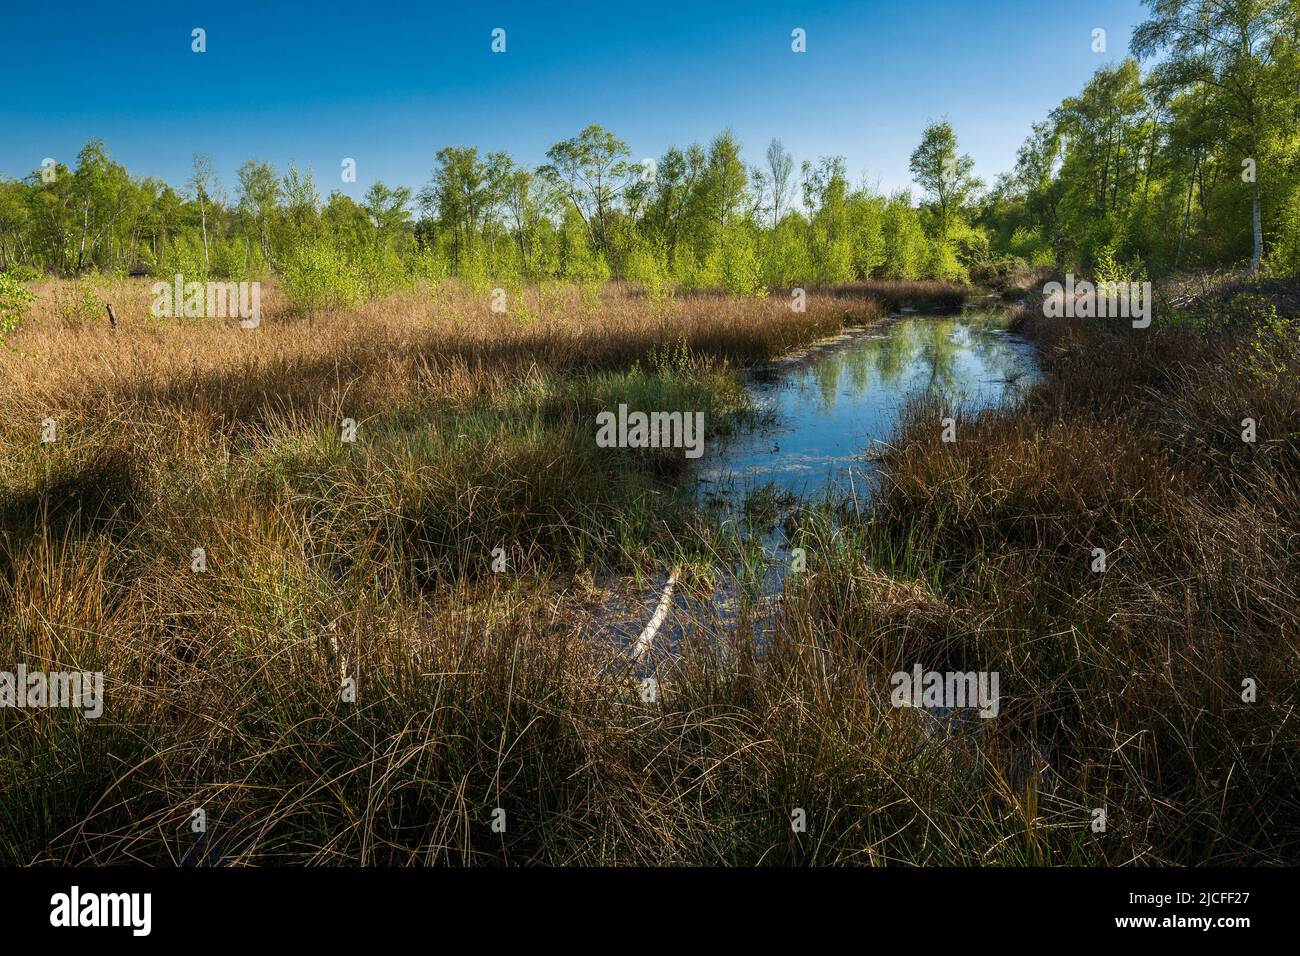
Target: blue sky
{"type": "Point", "coordinates": [388, 84]}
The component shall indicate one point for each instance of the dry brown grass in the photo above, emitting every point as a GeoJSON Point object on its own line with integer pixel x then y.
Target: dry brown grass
{"type": "Point", "coordinates": [478, 691]}
{"type": "Point", "coordinates": [1132, 678]}
{"type": "Point", "coordinates": [448, 346]}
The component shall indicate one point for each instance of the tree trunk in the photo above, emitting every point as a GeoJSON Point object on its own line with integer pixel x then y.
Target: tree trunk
{"type": "Point", "coordinates": [1151, 158]}
{"type": "Point", "coordinates": [203, 220]}
{"type": "Point", "coordinates": [1187, 209]}
{"type": "Point", "coordinates": [1256, 227]}
{"type": "Point", "coordinates": [1119, 171]}
{"type": "Point", "coordinates": [1105, 179]}
{"type": "Point", "coordinates": [85, 225]}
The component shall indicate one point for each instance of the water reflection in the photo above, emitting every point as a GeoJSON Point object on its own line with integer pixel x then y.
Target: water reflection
{"type": "Point", "coordinates": [822, 411]}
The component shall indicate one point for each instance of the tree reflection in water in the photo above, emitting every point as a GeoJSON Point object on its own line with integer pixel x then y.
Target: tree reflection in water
{"type": "Point", "coordinates": [826, 411]}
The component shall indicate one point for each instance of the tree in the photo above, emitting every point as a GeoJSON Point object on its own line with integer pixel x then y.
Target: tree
{"type": "Point", "coordinates": [673, 200]}
{"type": "Point", "coordinates": [527, 203]}
{"type": "Point", "coordinates": [727, 180]}
{"type": "Point", "coordinates": [14, 221]}
{"type": "Point", "coordinates": [460, 196]}
{"type": "Point", "coordinates": [943, 174]}
{"type": "Point", "coordinates": [301, 203]}
{"type": "Point", "coordinates": [1228, 45]}
{"type": "Point", "coordinates": [346, 221]}
{"type": "Point", "coordinates": [825, 196]}
{"type": "Point", "coordinates": [200, 181]}
{"type": "Point", "coordinates": [780, 166]}
{"type": "Point", "coordinates": [387, 208]}
{"type": "Point", "coordinates": [99, 186]}
{"type": "Point", "coordinates": [591, 170]}
{"type": "Point", "coordinates": [259, 193]}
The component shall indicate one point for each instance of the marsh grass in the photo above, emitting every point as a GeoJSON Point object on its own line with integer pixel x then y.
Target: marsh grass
{"type": "Point", "coordinates": [478, 690]}
{"type": "Point", "coordinates": [931, 295]}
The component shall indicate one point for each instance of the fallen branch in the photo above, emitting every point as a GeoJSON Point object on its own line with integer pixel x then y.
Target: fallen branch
{"type": "Point", "coordinates": [661, 614]}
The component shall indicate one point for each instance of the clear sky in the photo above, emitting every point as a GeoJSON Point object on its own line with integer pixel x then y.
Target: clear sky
{"type": "Point", "coordinates": [388, 84]}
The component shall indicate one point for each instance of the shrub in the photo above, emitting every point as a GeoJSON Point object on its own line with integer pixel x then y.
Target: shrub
{"type": "Point", "coordinates": [429, 265]}
{"type": "Point", "coordinates": [785, 257]}
{"type": "Point", "coordinates": [377, 268]}
{"type": "Point", "coordinates": [1111, 270]}
{"type": "Point", "coordinates": [942, 262]}
{"type": "Point", "coordinates": [184, 256]}
{"type": "Point", "coordinates": [474, 270]}
{"type": "Point", "coordinates": [648, 271]}
{"type": "Point", "coordinates": [227, 260]}
{"type": "Point", "coordinates": [905, 245]}
{"type": "Point", "coordinates": [14, 298]}
{"type": "Point", "coordinates": [1029, 245]}
{"type": "Point", "coordinates": [76, 303]}
{"type": "Point", "coordinates": [22, 273]}
{"type": "Point", "coordinates": [316, 276]}
{"type": "Point", "coordinates": [832, 258]}
{"type": "Point", "coordinates": [733, 265]}
{"type": "Point", "coordinates": [1284, 257]}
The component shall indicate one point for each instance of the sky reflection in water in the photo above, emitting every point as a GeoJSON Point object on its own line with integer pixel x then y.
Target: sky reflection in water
{"type": "Point", "coordinates": [823, 412]}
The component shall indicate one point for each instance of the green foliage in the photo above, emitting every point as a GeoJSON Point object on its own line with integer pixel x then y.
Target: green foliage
{"type": "Point", "coordinates": [703, 220]}
{"type": "Point", "coordinates": [317, 276]}
{"type": "Point", "coordinates": [20, 272]}
{"type": "Point", "coordinates": [504, 264]}
{"type": "Point", "coordinates": [590, 170]}
{"type": "Point", "coordinates": [648, 271]}
{"type": "Point", "coordinates": [228, 261]}
{"type": "Point", "coordinates": [905, 243]}
{"type": "Point", "coordinates": [942, 263]}
{"type": "Point", "coordinates": [183, 256]}
{"type": "Point", "coordinates": [866, 218]}
{"type": "Point", "coordinates": [76, 303]}
{"type": "Point", "coordinates": [736, 264]}
{"type": "Point", "coordinates": [429, 265]}
{"type": "Point", "coordinates": [946, 177]}
{"type": "Point", "coordinates": [14, 299]}
{"type": "Point", "coordinates": [786, 257]}
{"type": "Point", "coordinates": [1284, 260]}
{"type": "Point", "coordinates": [377, 268]}
{"type": "Point", "coordinates": [595, 274]}
{"type": "Point", "coordinates": [1109, 270]}
{"type": "Point", "coordinates": [672, 361]}
{"type": "Point", "coordinates": [1273, 343]}
{"type": "Point", "coordinates": [1137, 169]}
{"type": "Point", "coordinates": [474, 269]}
{"type": "Point", "coordinates": [1028, 245]}
{"type": "Point", "coordinates": [971, 248]}
{"type": "Point", "coordinates": [579, 262]}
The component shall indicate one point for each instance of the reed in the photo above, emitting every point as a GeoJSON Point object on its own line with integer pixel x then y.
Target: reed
{"type": "Point", "coordinates": [478, 691]}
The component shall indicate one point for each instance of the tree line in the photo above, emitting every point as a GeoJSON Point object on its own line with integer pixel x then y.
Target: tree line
{"type": "Point", "coordinates": [1193, 164]}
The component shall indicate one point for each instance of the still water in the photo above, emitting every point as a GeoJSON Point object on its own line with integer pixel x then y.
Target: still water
{"type": "Point", "coordinates": [821, 416]}
{"type": "Point", "coordinates": [823, 413]}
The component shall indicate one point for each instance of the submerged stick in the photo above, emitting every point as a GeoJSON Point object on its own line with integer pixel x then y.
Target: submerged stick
{"type": "Point", "coordinates": [661, 614]}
